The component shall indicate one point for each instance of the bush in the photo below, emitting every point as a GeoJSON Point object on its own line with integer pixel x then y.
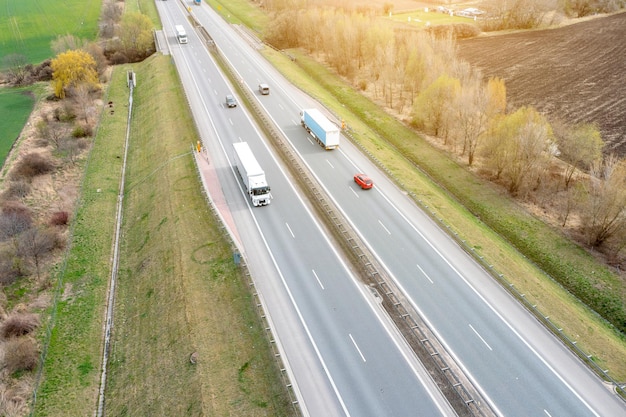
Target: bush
{"type": "Point", "coordinates": [59, 218]}
{"type": "Point", "coordinates": [31, 165]}
{"type": "Point", "coordinates": [10, 266]}
{"type": "Point", "coordinates": [82, 131]}
{"type": "Point", "coordinates": [457, 31]}
{"type": "Point", "coordinates": [20, 354]}
{"type": "Point", "coordinates": [15, 218]}
{"type": "Point", "coordinates": [19, 324]}
{"type": "Point", "coordinates": [64, 114]}
{"type": "Point", "coordinates": [16, 189]}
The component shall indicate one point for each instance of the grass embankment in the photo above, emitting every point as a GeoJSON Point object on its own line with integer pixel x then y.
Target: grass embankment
{"type": "Point", "coordinates": [178, 289]}
{"type": "Point", "coordinates": [16, 104]}
{"type": "Point", "coordinates": [28, 27]}
{"type": "Point", "coordinates": [71, 370]}
{"type": "Point", "coordinates": [462, 200]}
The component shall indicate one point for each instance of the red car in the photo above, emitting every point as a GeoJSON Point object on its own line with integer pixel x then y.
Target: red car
{"type": "Point", "coordinates": [364, 181]}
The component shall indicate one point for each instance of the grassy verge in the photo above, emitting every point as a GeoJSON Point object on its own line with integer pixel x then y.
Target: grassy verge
{"type": "Point", "coordinates": [179, 291]}
{"type": "Point", "coordinates": [241, 12]}
{"type": "Point", "coordinates": [71, 369]}
{"type": "Point", "coordinates": [16, 105]}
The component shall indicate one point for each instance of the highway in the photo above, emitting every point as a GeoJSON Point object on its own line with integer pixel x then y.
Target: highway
{"type": "Point", "coordinates": [517, 365]}
{"type": "Point", "coordinates": [342, 355]}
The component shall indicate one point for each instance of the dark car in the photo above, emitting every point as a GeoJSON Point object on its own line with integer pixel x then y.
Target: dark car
{"type": "Point", "coordinates": [363, 181]}
{"type": "Point", "coordinates": [230, 101]}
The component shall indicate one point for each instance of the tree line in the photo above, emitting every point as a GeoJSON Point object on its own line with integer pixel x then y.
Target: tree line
{"type": "Point", "coordinates": [417, 76]}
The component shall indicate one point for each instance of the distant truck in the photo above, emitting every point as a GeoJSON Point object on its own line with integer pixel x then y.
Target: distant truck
{"type": "Point", "coordinates": [322, 129]}
{"type": "Point", "coordinates": [251, 174]}
{"type": "Point", "coordinates": [181, 35]}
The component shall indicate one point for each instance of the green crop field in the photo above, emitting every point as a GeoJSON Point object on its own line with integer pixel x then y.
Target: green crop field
{"type": "Point", "coordinates": [27, 27]}
{"type": "Point", "coordinates": [15, 107]}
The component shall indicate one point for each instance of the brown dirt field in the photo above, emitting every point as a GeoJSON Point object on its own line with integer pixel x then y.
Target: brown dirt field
{"type": "Point", "coordinates": [576, 73]}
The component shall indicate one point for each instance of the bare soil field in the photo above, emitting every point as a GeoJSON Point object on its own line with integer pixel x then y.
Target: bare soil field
{"type": "Point", "coordinates": [576, 73]}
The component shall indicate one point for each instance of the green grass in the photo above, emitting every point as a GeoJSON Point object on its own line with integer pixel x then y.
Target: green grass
{"type": "Point", "coordinates": [71, 370]}
{"type": "Point", "coordinates": [241, 12]}
{"type": "Point", "coordinates": [421, 19]}
{"type": "Point", "coordinates": [28, 27]}
{"type": "Point", "coordinates": [178, 288]}
{"type": "Point", "coordinates": [16, 104]}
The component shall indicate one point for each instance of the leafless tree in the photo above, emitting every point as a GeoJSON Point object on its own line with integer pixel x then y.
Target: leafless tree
{"type": "Point", "coordinates": [604, 214]}
{"type": "Point", "coordinates": [579, 146]}
{"type": "Point", "coordinates": [52, 131]}
{"type": "Point", "coordinates": [34, 244]}
{"type": "Point", "coordinates": [66, 43]}
{"type": "Point", "coordinates": [15, 218]}
{"type": "Point", "coordinates": [16, 68]}
{"type": "Point", "coordinates": [11, 265]}
{"type": "Point", "coordinates": [81, 96]}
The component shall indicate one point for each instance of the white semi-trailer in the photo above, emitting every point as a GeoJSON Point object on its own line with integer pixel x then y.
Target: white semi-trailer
{"type": "Point", "coordinates": [323, 130]}
{"type": "Point", "coordinates": [181, 35]}
{"type": "Point", "coordinates": [251, 174]}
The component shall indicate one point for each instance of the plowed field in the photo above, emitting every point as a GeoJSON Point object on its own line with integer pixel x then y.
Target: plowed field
{"type": "Point", "coordinates": [576, 72]}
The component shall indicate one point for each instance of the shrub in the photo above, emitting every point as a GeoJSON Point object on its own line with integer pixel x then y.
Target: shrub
{"type": "Point", "coordinates": [16, 189]}
{"type": "Point", "coordinates": [118, 57]}
{"type": "Point", "coordinates": [19, 324]}
{"type": "Point", "coordinates": [15, 218]}
{"type": "Point", "coordinates": [82, 131]}
{"type": "Point", "coordinates": [457, 31]}
{"type": "Point", "coordinates": [10, 266]}
{"type": "Point", "coordinates": [59, 218]}
{"type": "Point", "coordinates": [20, 354]}
{"type": "Point", "coordinates": [63, 114]}
{"type": "Point", "coordinates": [31, 165]}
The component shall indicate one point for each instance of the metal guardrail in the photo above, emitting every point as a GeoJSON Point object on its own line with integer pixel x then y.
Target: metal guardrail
{"type": "Point", "coordinates": [461, 394]}
{"type": "Point", "coordinates": [260, 304]}
{"type": "Point", "coordinates": [620, 389]}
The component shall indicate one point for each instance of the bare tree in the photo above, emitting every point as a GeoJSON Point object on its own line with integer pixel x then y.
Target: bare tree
{"type": "Point", "coordinates": [16, 68]}
{"type": "Point", "coordinates": [34, 244]}
{"type": "Point", "coordinates": [52, 131]}
{"type": "Point", "coordinates": [14, 222]}
{"type": "Point", "coordinates": [11, 265]}
{"type": "Point", "coordinates": [605, 211]}
{"type": "Point", "coordinates": [81, 95]}
{"type": "Point", "coordinates": [579, 146]}
{"type": "Point", "coordinates": [66, 43]}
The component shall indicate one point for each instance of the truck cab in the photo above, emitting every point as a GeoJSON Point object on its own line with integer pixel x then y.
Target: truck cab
{"type": "Point", "coordinates": [181, 35]}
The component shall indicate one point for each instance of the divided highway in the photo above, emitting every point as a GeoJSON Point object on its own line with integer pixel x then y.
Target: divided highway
{"type": "Point", "coordinates": [517, 365]}
{"type": "Point", "coordinates": [338, 346]}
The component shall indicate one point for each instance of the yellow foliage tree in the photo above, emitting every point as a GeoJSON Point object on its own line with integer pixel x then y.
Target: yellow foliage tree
{"type": "Point", "coordinates": [72, 68]}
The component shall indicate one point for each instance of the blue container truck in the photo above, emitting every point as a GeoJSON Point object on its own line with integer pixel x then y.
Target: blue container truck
{"type": "Point", "coordinates": [323, 130]}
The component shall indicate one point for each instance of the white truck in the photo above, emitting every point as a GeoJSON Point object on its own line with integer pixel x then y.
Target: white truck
{"type": "Point", "coordinates": [322, 129]}
{"type": "Point", "coordinates": [251, 174]}
{"type": "Point", "coordinates": [181, 35]}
